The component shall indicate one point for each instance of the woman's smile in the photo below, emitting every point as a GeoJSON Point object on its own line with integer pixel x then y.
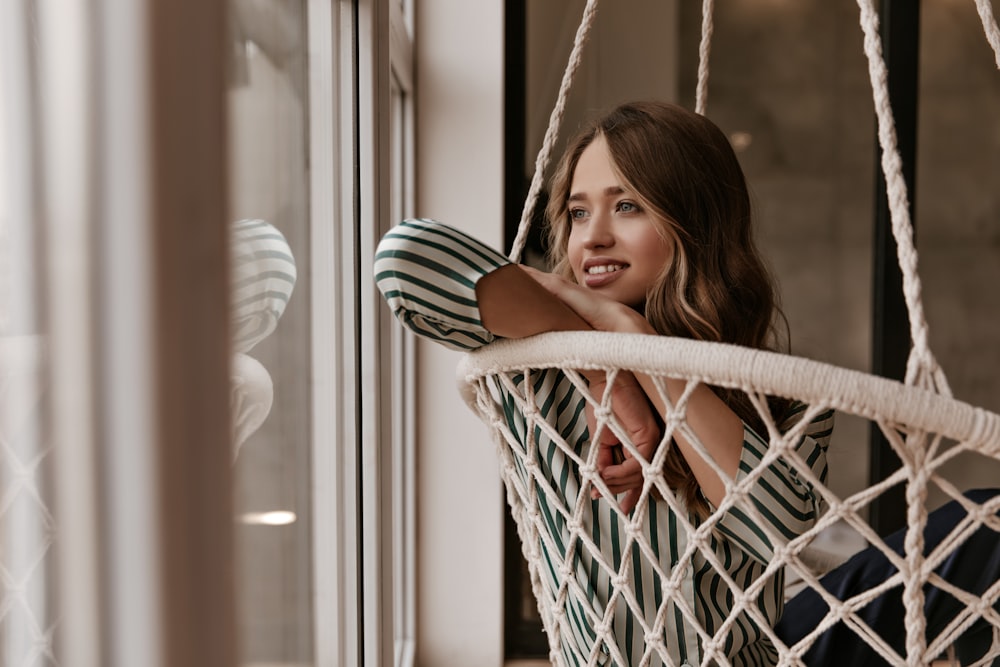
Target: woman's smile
{"type": "Point", "coordinates": [601, 271]}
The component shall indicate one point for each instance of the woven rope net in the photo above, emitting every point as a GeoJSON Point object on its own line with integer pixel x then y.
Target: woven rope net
{"type": "Point", "coordinates": [509, 385]}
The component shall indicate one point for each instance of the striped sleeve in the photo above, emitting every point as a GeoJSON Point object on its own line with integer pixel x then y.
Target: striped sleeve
{"type": "Point", "coordinates": [783, 498]}
{"type": "Point", "coordinates": [427, 272]}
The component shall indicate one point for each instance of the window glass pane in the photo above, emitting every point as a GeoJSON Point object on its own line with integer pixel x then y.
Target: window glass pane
{"type": "Point", "coordinates": [269, 206]}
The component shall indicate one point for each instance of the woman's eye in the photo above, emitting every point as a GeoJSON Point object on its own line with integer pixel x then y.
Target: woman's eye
{"type": "Point", "coordinates": [627, 207]}
{"type": "Point", "coordinates": [577, 214]}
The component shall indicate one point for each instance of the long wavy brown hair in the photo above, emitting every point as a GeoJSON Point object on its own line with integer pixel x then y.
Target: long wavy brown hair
{"type": "Point", "coordinates": [716, 287]}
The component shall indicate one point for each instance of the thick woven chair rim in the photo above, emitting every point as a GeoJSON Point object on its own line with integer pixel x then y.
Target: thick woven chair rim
{"type": "Point", "coordinates": [733, 366]}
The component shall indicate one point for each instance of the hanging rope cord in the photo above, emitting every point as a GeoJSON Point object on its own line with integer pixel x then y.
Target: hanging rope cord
{"type": "Point", "coordinates": [990, 27]}
{"type": "Point", "coordinates": [704, 51]}
{"type": "Point", "coordinates": [552, 132]}
{"type": "Point", "coordinates": [927, 407]}
{"type": "Point", "coordinates": [922, 369]}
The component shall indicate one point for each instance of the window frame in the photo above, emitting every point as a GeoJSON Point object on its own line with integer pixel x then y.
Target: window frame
{"type": "Point", "coordinates": [145, 384]}
{"type": "Point", "coordinates": [363, 472]}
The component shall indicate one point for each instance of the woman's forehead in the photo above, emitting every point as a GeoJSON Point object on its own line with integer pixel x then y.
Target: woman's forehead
{"type": "Point", "coordinates": [596, 173]}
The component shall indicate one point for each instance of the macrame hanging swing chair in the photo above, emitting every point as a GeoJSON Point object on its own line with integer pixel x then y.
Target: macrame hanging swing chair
{"type": "Point", "coordinates": [925, 426]}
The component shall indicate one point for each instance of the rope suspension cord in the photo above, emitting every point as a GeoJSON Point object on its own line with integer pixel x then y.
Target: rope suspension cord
{"type": "Point", "coordinates": [552, 132]}
{"type": "Point", "coordinates": [916, 434]}
{"type": "Point", "coordinates": [704, 50]}
{"type": "Point", "coordinates": [990, 27]}
{"type": "Point", "coordinates": [921, 368]}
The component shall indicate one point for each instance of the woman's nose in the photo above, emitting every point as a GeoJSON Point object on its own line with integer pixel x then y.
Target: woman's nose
{"type": "Point", "coordinates": [599, 233]}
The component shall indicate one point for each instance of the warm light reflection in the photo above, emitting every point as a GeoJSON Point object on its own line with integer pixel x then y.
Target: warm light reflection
{"type": "Point", "coordinates": [740, 141]}
{"type": "Point", "coordinates": [276, 518]}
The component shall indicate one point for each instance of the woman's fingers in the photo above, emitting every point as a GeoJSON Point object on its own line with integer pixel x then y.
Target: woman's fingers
{"type": "Point", "coordinates": [630, 500]}
{"type": "Point", "coordinates": [598, 311]}
{"type": "Point", "coordinates": [623, 476]}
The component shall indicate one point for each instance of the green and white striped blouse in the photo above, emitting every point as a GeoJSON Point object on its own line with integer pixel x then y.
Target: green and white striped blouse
{"type": "Point", "coordinates": [427, 272]}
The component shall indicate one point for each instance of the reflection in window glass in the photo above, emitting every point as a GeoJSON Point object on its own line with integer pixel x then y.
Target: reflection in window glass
{"type": "Point", "coordinates": [271, 390]}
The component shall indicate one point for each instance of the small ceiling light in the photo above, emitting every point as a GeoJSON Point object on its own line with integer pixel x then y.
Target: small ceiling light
{"type": "Point", "coordinates": [740, 141]}
{"type": "Point", "coordinates": [276, 518]}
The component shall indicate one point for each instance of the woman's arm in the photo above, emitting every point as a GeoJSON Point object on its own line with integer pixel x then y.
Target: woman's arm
{"type": "Point", "coordinates": [717, 426]}
{"type": "Point", "coordinates": [514, 305]}
{"type": "Point", "coordinates": [784, 499]}
{"type": "Point", "coordinates": [427, 273]}
{"type": "Point", "coordinates": [450, 288]}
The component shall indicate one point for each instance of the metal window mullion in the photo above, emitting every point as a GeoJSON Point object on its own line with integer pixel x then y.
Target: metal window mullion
{"type": "Point", "coordinates": [373, 194]}
{"type": "Point", "coordinates": [900, 32]}
{"type": "Point", "coordinates": [400, 47]}
{"type": "Point", "coordinates": [335, 496]}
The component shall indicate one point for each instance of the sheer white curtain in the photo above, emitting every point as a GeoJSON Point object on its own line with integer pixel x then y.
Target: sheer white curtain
{"type": "Point", "coordinates": [115, 514]}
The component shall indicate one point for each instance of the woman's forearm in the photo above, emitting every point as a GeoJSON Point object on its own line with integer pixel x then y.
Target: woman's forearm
{"type": "Point", "coordinates": [513, 305]}
{"type": "Point", "coordinates": [718, 428]}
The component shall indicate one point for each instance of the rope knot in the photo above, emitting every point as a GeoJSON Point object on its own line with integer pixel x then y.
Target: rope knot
{"type": "Point", "coordinates": [671, 587]}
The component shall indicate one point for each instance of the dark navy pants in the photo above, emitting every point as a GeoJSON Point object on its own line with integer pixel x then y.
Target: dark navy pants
{"type": "Point", "coordinates": [974, 567]}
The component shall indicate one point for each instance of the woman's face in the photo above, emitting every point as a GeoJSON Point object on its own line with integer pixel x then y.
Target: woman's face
{"type": "Point", "coordinates": [615, 247]}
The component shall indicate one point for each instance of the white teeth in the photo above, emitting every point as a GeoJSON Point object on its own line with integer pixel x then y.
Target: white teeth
{"type": "Point", "coordinates": [604, 268]}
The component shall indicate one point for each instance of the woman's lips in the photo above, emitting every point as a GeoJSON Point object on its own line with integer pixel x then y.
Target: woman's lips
{"type": "Point", "coordinates": [605, 277]}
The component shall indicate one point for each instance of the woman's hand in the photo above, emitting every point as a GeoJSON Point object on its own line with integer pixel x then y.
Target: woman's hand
{"type": "Point", "coordinates": [598, 311]}
{"type": "Point", "coordinates": [636, 415]}
{"type": "Point", "coordinates": [628, 399]}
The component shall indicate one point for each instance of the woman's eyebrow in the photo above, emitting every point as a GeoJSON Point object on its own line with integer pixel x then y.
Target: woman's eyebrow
{"type": "Point", "coordinates": [610, 191]}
